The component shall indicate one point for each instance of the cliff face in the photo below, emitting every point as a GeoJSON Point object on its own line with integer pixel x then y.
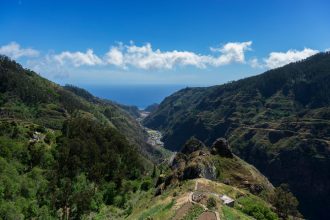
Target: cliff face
{"type": "Point", "coordinates": [279, 121]}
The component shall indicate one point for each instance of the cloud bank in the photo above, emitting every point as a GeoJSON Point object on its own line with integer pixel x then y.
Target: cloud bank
{"type": "Point", "coordinates": [78, 58]}
{"type": "Point", "coordinates": [15, 51]}
{"type": "Point", "coordinates": [145, 57]}
{"type": "Point", "coordinates": [278, 59]}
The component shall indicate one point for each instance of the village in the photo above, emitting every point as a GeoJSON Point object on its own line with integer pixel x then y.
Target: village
{"type": "Point", "coordinates": [154, 136]}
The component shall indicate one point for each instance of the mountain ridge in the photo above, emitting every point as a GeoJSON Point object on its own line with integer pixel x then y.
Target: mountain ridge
{"type": "Point", "coordinates": [275, 120]}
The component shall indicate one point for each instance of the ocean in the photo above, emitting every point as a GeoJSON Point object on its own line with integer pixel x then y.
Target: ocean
{"type": "Point", "coordinates": [138, 95]}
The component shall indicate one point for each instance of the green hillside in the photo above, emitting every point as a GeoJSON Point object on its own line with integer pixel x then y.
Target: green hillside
{"type": "Point", "coordinates": [64, 153]}
{"type": "Point", "coordinates": [279, 121]}
{"type": "Point", "coordinates": [24, 95]}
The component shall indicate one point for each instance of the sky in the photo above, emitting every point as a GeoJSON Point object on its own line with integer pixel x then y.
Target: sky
{"type": "Point", "coordinates": [181, 42]}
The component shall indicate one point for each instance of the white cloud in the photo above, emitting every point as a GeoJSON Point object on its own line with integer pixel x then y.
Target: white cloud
{"type": "Point", "coordinates": [144, 57]}
{"type": "Point", "coordinates": [254, 63]}
{"type": "Point", "coordinates": [231, 52]}
{"type": "Point", "coordinates": [78, 58]}
{"type": "Point", "coordinates": [115, 57]}
{"type": "Point", "coordinates": [14, 51]}
{"type": "Point", "coordinates": [278, 59]}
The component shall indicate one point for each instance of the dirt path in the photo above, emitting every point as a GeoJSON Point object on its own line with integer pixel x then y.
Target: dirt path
{"type": "Point", "coordinates": [207, 214]}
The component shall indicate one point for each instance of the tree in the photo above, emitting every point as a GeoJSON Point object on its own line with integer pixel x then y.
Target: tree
{"type": "Point", "coordinates": [154, 172]}
{"type": "Point", "coordinates": [285, 202]}
{"type": "Point", "coordinates": [211, 202]}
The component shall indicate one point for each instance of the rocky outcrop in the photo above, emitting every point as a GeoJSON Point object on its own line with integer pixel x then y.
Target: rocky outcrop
{"type": "Point", "coordinates": [199, 170]}
{"type": "Point", "coordinates": [214, 163]}
{"type": "Point", "coordinates": [192, 162]}
{"type": "Point", "coordinates": [222, 148]}
{"type": "Point", "coordinates": [192, 145]}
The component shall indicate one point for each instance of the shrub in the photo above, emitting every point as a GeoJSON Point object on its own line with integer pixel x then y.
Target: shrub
{"type": "Point", "coordinates": [285, 202]}
{"type": "Point", "coordinates": [211, 202]}
{"type": "Point", "coordinates": [119, 201]}
{"type": "Point", "coordinates": [109, 193]}
{"type": "Point", "coordinates": [146, 185]}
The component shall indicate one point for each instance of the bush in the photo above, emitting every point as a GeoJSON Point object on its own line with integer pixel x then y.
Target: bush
{"type": "Point", "coordinates": [119, 201]}
{"type": "Point", "coordinates": [109, 193]}
{"type": "Point", "coordinates": [146, 185]}
{"type": "Point", "coordinates": [285, 202]}
{"type": "Point", "coordinates": [211, 203]}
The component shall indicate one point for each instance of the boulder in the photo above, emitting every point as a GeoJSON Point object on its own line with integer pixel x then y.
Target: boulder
{"type": "Point", "coordinates": [222, 148]}
{"type": "Point", "coordinates": [199, 170]}
{"type": "Point", "coordinates": [256, 188]}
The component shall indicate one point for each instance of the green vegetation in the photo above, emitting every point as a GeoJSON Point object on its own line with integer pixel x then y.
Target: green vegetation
{"type": "Point", "coordinates": [172, 202]}
{"type": "Point", "coordinates": [64, 153]}
{"type": "Point", "coordinates": [285, 202]}
{"type": "Point", "coordinates": [211, 202]}
{"type": "Point", "coordinates": [159, 209]}
{"type": "Point", "coordinates": [194, 212]}
{"type": "Point", "coordinates": [278, 121]}
{"type": "Point", "coordinates": [256, 209]}
{"type": "Point", "coordinates": [87, 166]}
{"type": "Point", "coordinates": [233, 214]}
{"type": "Point", "coordinates": [26, 96]}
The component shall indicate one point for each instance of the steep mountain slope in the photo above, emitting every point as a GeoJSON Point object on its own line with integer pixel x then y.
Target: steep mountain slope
{"type": "Point", "coordinates": [151, 108]}
{"type": "Point", "coordinates": [279, 121]}
{"type": "Point", "coordinates": [24, 95]}
{"type": "Point", "coordinates": [64, 153]}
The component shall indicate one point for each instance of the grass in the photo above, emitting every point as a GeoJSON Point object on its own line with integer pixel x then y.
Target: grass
{"type": "Point", "coordinates": [164, 206]}
{"type": "Point", "coordinates": [236, 169]}
{"type": "Point", "coordinates": [233, 214]}
{"type": "Point", "coordinates": [159, 210]}
{"type": "Point", "coordinates": [258, 209]}
{"type": "Point", "coordinates": [194, 212]}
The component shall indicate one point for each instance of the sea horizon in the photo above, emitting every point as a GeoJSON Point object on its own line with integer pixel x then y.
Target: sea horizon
{"type": "Point", "coordinates": [140, 96]}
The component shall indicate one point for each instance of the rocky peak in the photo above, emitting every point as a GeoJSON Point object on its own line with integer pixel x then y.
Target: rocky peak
{"type": "Point", "coordinates": [192, 145]}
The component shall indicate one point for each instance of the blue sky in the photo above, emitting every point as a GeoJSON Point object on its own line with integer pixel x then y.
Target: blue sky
{"type": "Point", "coordinates": [160, 42]}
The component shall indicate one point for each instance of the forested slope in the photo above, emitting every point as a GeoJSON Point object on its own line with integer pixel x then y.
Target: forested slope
{"type": "Point", "coordinates": [64, 154]}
